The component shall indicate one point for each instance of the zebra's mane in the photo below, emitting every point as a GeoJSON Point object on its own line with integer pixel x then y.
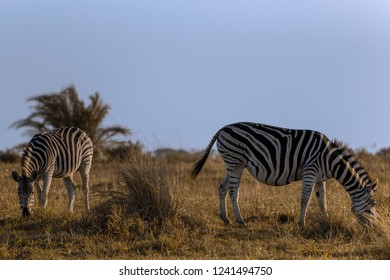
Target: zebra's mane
{"type": "Point", "coordinates": [350, 157]}
{"type": "Point", "coordinates": [344, 149]}
{"type": "Point", "coordinates": [27, 151]}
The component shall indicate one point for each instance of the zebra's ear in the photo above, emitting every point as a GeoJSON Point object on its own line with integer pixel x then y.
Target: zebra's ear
{"type": "Point", "coordinates": [16, 176]}
{"type": "Point", "coordinates": [33, 176]}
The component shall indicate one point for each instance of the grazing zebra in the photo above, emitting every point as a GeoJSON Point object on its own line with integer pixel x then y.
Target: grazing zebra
{"type": "Point", "coordinates": [59, 154]}
{"type": "Point", "coordinates": [278, 156]}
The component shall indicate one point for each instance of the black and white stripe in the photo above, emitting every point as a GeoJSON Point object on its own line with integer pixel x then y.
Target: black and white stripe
{"type": "Point", "coordinates": [279, 156]}
{"type": "Point", "coordinates": [54, 154]}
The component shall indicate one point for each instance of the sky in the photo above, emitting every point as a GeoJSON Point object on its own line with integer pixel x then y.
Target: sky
{"type": "Point", "coordinates": [174, 72]}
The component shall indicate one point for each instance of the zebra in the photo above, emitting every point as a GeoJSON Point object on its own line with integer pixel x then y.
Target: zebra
{"type": "Point", "coordinates": [54, 154]}
{"type": "Point", "coordinates": [278, 156]}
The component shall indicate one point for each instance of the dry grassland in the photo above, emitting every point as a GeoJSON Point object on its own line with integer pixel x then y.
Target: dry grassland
{"type": "Point", "coordinates": [177, 218]}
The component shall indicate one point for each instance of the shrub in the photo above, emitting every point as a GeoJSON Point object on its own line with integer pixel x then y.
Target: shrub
{"type": "Point", "coordinates": [146, 191]}
{"type": "Point", "coordinates": [8, 156]}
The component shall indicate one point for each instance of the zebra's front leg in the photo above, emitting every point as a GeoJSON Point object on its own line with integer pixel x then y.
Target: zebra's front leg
{"type": "Point", "coordinates": [223, 188]}
{"type": "Point", "coordinates": [68, 181]}
{"type": "Point", "coordinates": [43, 198]}
{"type": "Point", "coordinates": [307, 187]}
{"type": "Point", "coordinates": [320, 192]}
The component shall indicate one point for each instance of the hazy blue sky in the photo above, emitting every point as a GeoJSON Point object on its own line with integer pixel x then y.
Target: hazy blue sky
{"type": "Point", "coordinates": [176, 71]}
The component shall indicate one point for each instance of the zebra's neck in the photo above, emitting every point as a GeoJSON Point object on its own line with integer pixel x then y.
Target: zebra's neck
{"type": "Point", "coordinates": [350, 173]}
{"type": "Point", "coordinates": [30, 162]}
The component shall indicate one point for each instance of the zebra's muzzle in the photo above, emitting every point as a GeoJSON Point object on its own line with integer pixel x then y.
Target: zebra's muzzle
{"type": "Point", "coordinates": [25, 212]}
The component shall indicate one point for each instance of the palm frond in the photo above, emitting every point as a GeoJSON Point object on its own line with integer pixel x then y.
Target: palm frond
{"type": "Point", "coordinates": [65, 108]}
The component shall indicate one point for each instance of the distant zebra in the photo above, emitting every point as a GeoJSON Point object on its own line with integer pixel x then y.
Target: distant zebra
{"type": "Point", "coordinates": [59, 154]}
{"type": "Point", "coordinates": [279, 156]}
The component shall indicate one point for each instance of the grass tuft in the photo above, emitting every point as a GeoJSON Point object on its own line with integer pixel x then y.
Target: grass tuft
{"type": "Point", "coordinates": [146, 191]}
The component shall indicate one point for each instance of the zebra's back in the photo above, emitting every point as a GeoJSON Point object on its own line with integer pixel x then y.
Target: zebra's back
{"type": "Point", "coordinates": [65, 148]}
{"type": "Point", "coordinates": [273, 155]}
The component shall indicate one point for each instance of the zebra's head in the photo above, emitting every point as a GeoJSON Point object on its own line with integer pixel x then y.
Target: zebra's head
{"type": "Point", "coordinates": [25, 191]}
{"type": "Point", "coordinates": [364, 203]}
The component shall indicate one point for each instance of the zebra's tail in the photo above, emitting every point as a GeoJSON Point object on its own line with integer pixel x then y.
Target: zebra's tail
{"type": "Point", "coordinates": [199, 164]}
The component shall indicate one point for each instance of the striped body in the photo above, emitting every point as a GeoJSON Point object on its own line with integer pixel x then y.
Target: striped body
{"type": "Point", "coordinates": [279, 156]}
{"type": "Point", "coordinates": [59, 154]}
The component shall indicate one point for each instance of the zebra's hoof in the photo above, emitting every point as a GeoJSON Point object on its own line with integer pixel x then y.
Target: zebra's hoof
{"type": "Point", "coordinates": [242, 224]}
{"type": "Point", "coordinates": [226, 221]}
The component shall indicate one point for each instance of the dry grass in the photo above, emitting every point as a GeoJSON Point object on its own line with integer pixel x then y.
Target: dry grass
{"type": "Point", "coordinates": [146, 192]}
{"type": "Point", "coordinates": [143, 209]}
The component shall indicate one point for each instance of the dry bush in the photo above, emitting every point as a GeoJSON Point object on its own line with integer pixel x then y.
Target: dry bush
{"type": "Point", "coordinates": [146, 191]}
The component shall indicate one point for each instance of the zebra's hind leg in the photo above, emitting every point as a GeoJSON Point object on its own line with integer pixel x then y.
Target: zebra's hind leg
{"type": "Point", "coordinates": [233, 193]}
{"type": "Point", "coordinates": [84, 172]}
{"type": "Point", "coordinates": [223, 189]}
{"type": "Point", "coordinates": [233, 188]}
{"type": "Point", "coordinates": [68, 181]}
{"type": "Point", "coordinates": [320, 192]}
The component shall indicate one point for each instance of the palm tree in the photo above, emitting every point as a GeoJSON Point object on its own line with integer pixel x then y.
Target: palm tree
{"type": "Point", "coordinates": [66, 109]}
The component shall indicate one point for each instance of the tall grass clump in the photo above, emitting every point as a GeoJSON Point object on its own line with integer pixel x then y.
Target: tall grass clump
{"type": "Point", "coordinates": [146, 191]}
